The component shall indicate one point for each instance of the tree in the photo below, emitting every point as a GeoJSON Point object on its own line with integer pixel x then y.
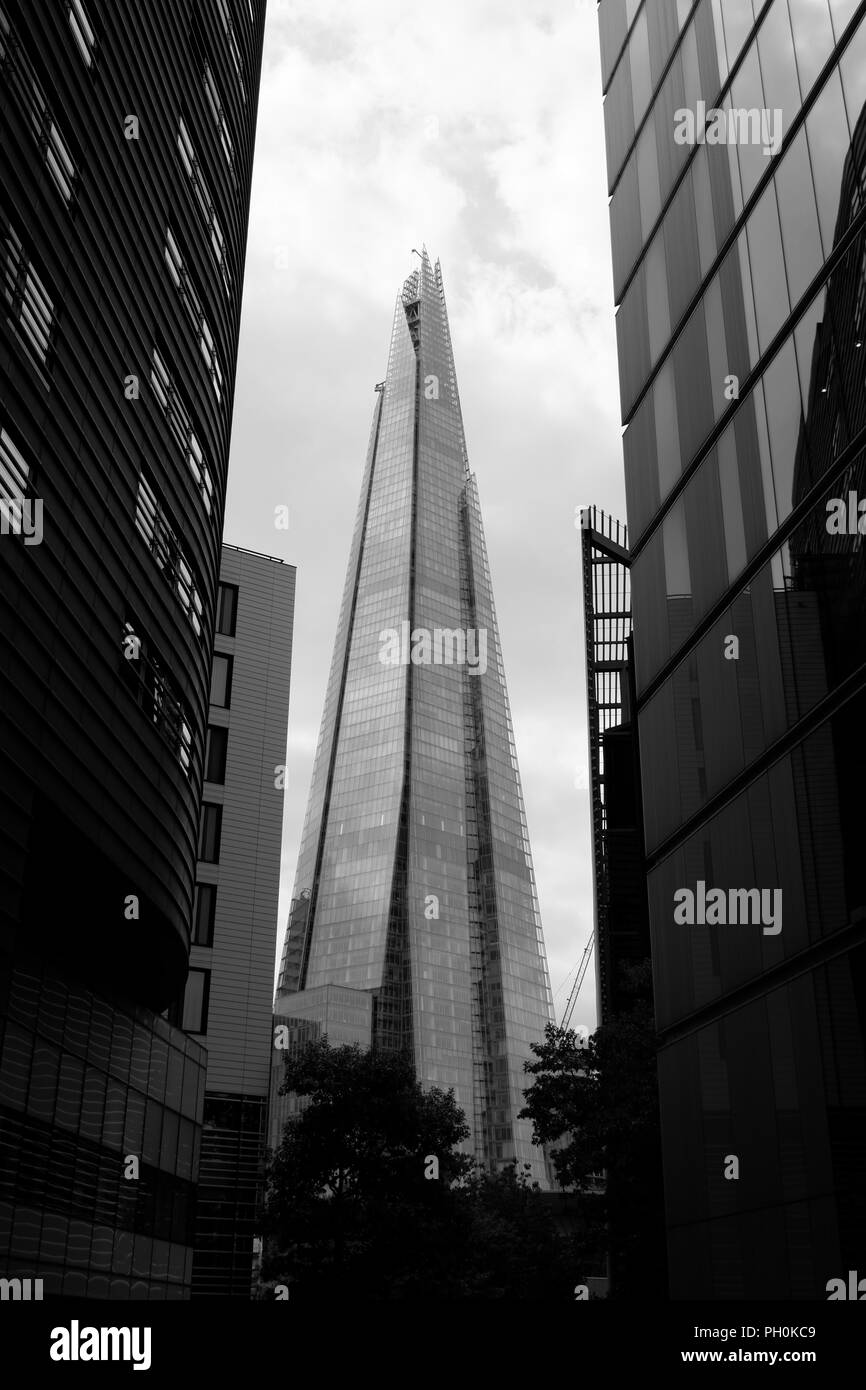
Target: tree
{"type": "Point", "coordinates": [514, 1250]}
{"type": "Point", "coordinates": [350, 1212]}
{"type": "Point", "coordinates": [599, 1103]}
{"type": "Point", "coordinates": [348, 1179]}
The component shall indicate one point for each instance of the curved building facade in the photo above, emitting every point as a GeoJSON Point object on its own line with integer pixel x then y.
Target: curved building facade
{"type": "Point", "coordinates": [127, 137]}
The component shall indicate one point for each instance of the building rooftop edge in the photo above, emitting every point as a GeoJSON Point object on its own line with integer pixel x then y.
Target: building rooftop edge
{"type": "Point", "coordinates": [259, 554]}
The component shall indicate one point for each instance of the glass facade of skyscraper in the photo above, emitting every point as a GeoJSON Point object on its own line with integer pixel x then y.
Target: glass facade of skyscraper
{"type": "Point", "coordinates": [736, 143]}
{"type": "Point", "coordinates": [415, 878]}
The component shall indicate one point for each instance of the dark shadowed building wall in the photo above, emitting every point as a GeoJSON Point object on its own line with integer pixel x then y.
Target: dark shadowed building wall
{"type": "Point", "coordinates": [739, 279]}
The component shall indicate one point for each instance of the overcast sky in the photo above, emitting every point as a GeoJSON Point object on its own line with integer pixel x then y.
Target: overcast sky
{"type": "Point", "coordinates": [474, 126]}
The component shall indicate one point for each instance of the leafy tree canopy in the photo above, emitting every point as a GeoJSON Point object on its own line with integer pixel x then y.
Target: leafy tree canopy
{"type": "Point", "coordinates": [351, 1213]}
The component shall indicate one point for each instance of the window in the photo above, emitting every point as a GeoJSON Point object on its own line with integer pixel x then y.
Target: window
{"type": "Point", "coordinates": [14, 473]}
{"type": "Point", "coordinates": [210, 831]}
{"type": "Point", "coordinates": [22, 80]}
{"type": "Point", "coordinates": [164, 546]}
{"type": "Point", "coordinates": [228, 25]}
{"type": "Point", "coordinates": [180, 275]}
{"type": "Point", "coordinates": [82, 30]}
{"type": "Point", "coordinates": [204, 202]}
{"type": "Point", "coordinates": [227, 609]}
{"type": "Point", "coordinates": [195, 1001]}
{"type": "Point", "coordinates": [221, 681]}
{"type": "Point", "coordinates": [155, 692]}
{"type": "Point", "coordinates": [216, 749]}
{"type": "Point", "coordinates": [31, 307]}
{"type": "Point", "coordinates": [216, 107]}
{"type": "Point", "coordinates": [179, 421]}
{"type": "Point", "coordinates": [203, 914]}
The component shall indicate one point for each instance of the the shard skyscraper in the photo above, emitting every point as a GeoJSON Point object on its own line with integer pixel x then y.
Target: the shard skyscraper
{"type": "Point", "coordinates": [415, 880]}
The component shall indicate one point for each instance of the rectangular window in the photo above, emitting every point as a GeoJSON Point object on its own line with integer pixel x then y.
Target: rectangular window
{"type": "Point", "coordinates": [155, 692]}
{"type": "Point", "coordinates": [216, 749]}
{"type": "Point", "coordinates": [22, 80]}
{"type": "Point", "coordinates": [221, 681]}
{"type": "Point", "coordinates": [14, 473]}
{"type": "Point", "coordinates": [216, 106]}
{"type": "Point", "coordinates": [227, 609]}
{"type": "Point", "coordinates": [228, 25]}
{"type": "Point", "coordinates": [180, 424]}
{"type": "Point", "coordinates": [179, 273]}
{"type": "Point", "coordinates": [210, 831]}
{"type": "Point", "coordinates": [31, 308]}
{"type": "Point", "coordinates": [82, 30]}
{"type": "Point", "coordinates": [204, 202]}
{"type": "Point", "coordinates": [195, 1001]}
{"type": "Point", "coordinates": [163, 544]}
{"type": "Point", "coordinates": [203, 914]}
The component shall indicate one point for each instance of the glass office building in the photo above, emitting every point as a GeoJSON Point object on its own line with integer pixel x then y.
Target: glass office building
{"type": "Point", "coordinates": [343, 1016]}
{"type": "Point", "coordinates": [415, 878]}
{"type": "Point", "coordinates": [739, 235]}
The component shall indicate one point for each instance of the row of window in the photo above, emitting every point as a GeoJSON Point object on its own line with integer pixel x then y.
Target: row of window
{"type": "Point", "coordinates": [205, 202]}
{"type": "Point", "coordinates": [30, 307]}
{"type": "Point", "coordinates": [193, 1016]}
{"type": "Point", "coordinates": [790, 49]}
{"type": "Point", "coordinates": [782, 244]}
{"type": "Point", "coordinates": [177, 269]}
{"type": "Point", "coordinates": [216, 106]}
{"type": "Point", "coordinates": [180, 424]}
{"type": "Point", "coordinates": [196, 996]}
{"type": "Point", "coordinates": [228, 25]}
{"type": "Point", "coordinates": [85, 37]}
{"type": "Point", "coordinates": [154, 686]}
{"type": "Point", "coordinates": [161, 540]}
{"type": "Point", "coordinates": [17, 73]}
{"type": "Point", "coordinates": [150, 519]}
{"type": "Point", "coordinates": [82, 30]}
{"type": "Point", "coordinates": [31, 310]}
{"type": "Point", "coordinates": [14, 474]}
{"type": "Point", "coordinates": [165, 546]}
{"type": "Point", "coordinates": [154, 689]}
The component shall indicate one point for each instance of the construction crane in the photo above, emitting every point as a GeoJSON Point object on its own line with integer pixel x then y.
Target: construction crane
{"type": "Point", "coordinates": [581, 973]}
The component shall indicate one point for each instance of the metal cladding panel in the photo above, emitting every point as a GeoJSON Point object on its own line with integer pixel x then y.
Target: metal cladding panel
{"type": "Point", "coordinates": [117, 384]}
{"type": "Point", "coordinates": [241, 959]}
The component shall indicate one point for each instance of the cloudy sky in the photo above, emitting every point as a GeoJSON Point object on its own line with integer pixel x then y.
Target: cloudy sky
{"type": "Point", "coordinates": [476, 128]}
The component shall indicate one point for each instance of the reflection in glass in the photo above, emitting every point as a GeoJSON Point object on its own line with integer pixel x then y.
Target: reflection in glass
{"type": "Point", "coordinates": [415, 883]}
